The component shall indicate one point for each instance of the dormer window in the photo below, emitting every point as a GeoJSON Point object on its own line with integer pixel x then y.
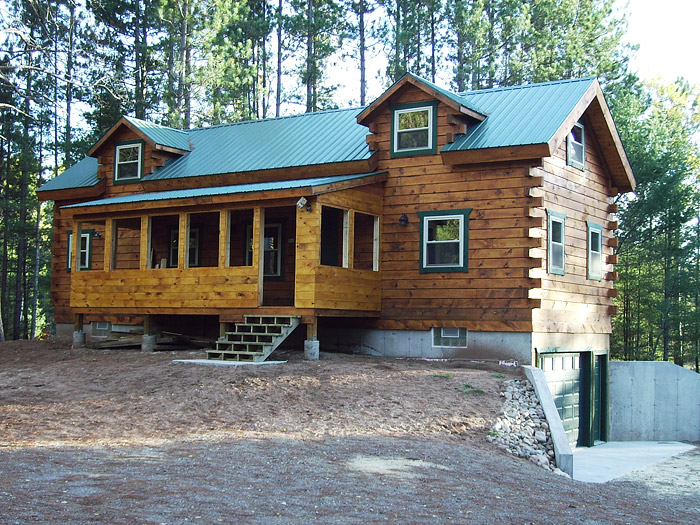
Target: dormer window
{"type": "Point", "coordinates": [413, 129]}
{"type": "Point", "coordinates": [128, 162]}
{"type": "Point", "coordinates": [576, 147]}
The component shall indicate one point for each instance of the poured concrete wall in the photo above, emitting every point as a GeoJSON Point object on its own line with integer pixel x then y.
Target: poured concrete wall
{"type": "Point", "coordinates": [653, 401]}
{"type": "Point", "coordinates": [508, 346]}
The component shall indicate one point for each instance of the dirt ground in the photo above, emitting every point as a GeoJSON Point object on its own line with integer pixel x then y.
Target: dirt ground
{"type": "Point", "coordinates": [130, 437]}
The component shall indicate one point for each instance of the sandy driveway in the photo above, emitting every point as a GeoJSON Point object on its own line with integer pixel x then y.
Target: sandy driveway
{"type": "Point", "coordinates": [129, 437]}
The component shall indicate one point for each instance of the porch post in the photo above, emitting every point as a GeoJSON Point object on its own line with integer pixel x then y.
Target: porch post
{"type": "Point", "coordinates": [78, 334]}
{"type": "Point", "coordinates": [183, 240]}
{"type": "Point", "coordinates": [148, 340]}
{"type": "Point", "coordinates": [312, 345]}
{"type": "Point", "coordinates": [109, 245]}
{"type": "Point", "coordinates": [224, 238]}
{"type": "Point", "coordinates": [259, 247]}
{"type": "Point", "coordinates": [145, 243]}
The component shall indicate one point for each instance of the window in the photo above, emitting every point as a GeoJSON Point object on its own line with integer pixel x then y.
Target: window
{"type": "Point", "coordinates": [85, 249]}
{"type": "Point", "coordinates": [576, 147]}
{"type": "Point", "coordinates": [556, 256]}
{"type": "Point", "coordinates": [450, 337]}
{"type": "Point", "coordinates": [272, 259]}
{"type": "Point", "coordinates": [414, 128]}
{"type": "Point", "coordinates": [127, 162]}
{"type": "Point", "coordinates": [595, 252]}
{"type": "Point", "coordinates": [443, 241]}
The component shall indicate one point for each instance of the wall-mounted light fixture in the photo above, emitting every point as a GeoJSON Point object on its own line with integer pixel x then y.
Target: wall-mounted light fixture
{"type": "Point", "coordinates": [303, 203]}
{"type": "Point", "coordinates": [96, 235]}
{"type": "Point", "coordinates": [403, 220]}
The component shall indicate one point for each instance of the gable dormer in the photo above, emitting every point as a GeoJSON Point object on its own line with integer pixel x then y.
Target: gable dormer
{"type": "Point", "coordinates": [132, 149]}
{"type": "Point", "coordinates": [416, 117]}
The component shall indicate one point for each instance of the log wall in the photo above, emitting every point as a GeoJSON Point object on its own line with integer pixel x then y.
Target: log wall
{"type": "Point", "coordinates": [572, 303]}
{"type": "Point", "coordinates": [492, 295]}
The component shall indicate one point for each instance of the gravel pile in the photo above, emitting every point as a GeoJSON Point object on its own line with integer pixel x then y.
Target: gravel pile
{"type": "Point", "coordinates": [522, 428]}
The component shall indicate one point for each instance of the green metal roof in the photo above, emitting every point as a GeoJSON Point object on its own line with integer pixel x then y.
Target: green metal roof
{"type": "Point", "coordinates": [163, 135]}
{"type": "Point", "coordinates": [456, 98]}
{"type": "Point", "coordinates": [325, 137]}
{"type": "Point", "coordinates": [520, 115]}
{"type": "Point", "coordinates": [517, 116]}
{"type": "Point", "coordinates": [82, 174]}
{"type": "Point", "coordinates": [223, 190]}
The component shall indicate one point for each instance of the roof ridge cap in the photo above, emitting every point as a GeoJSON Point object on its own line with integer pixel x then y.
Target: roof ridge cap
{"type": "Point", "coordinates": [526, 86]}
{"type": "Point", "coordinates": [283, 117]}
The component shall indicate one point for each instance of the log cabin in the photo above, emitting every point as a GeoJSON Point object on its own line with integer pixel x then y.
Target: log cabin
{"type": "Point", "coordinates": [474, 225]}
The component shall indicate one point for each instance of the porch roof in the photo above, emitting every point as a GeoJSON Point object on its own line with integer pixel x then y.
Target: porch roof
{"type": "Point", "coordinates": [312, 186]}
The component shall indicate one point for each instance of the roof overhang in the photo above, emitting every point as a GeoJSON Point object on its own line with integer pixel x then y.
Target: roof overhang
{"type": "Point", "coordinates": [84, 192]}
{"type": "Point", "coordinates": [504, 154]}
{"type": "Point", "coordinates": [430, 90]}
{"type": "Point", "coordinates": [227, 194]}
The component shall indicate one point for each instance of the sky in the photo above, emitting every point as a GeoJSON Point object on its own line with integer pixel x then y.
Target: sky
{"type": "Point", "coordinates": [666, 32]}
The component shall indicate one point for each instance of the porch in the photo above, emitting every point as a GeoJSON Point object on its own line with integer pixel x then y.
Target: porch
{"type": "Point", "coordinates": [311, 252]}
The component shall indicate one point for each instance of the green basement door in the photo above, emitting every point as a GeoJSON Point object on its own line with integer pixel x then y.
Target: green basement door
{"type": "Point", "coordinates": [577, 381]}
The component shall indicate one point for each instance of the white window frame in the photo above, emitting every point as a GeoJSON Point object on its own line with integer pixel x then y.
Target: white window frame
{"type": "Point", "coordinates": [552, 245]}
{"type": "Point", "coordinates": [117, 163]}
{"type": "Point", "coordinates": [426, 242]}
{"type": "Point", "coordinates": [249, 248]}
{"type": "Point", "coordinates": [572, 144]}
{"type": "Point", "coordinates": [446, 338]}
{"type": "Point", "coordinates": [87, 251]}
{"type": "Point", "coordinates": [429, 128]}
{"type": "Point", "coordinates": [595, 267]}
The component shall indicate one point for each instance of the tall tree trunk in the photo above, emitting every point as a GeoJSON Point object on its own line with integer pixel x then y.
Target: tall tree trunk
{"type": "Point", "coordinates": [139, 46]}
{"type": "Point", "coordinates": [25, 158]}
{"type": "Point", "coordinates": [67, 148]}
{"type": "Point", "coordinates": [310, 57]}
{"type": "Point", "coordinates": [37, 254]}
{"type": "Point", "coordinates": [278, 91]}
{"type": "Point", "coordinates": [363, 45]}
{"type": "Point", "coordinates": [433, 44]}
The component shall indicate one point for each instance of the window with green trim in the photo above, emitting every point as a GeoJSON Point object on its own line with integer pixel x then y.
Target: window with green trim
{"type": "Point", "coordinates": [444, 241]}
{"type": "Point", "coordinates": [413, 128]}
{"type": "Point", "coordinates": [128, 161]}
{"type": "Point", "coordinates": [595, 251]}
{"type": "Point", "coordinates": [84, 249]}
{"type": "Point", "coordinates": [556, 252]}
{"type": "Point", "coordinates": [576, 147]}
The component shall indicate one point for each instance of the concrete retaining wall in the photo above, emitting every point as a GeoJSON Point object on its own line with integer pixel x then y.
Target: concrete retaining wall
{"type": "Point", "coordinates": [562, 449]}
{"type": "Point", "coordinates": [653, 401]}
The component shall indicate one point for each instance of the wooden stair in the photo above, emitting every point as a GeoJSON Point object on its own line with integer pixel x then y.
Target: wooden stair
{"type": "Point", "coordinates": [254, 339]}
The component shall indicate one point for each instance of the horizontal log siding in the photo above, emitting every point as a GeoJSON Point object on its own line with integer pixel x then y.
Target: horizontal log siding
{"type": "Point", "coordinates": [493, 294]}
{"type": "Point", "coordinates": [331, 287]}
{"type": "Point", "coordinates": [204, 290]}
{"type": "Point", "coordinates": [572, 303]}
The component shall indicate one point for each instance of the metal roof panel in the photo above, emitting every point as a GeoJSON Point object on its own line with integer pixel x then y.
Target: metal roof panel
{"type": "Point", "coordinates": [223, 190]}
{"type": "Point", "coordinates": [521, 115]}
{"type": "Point", "coordinates": [324, 137]}
{"type": "Point", "coordinates": [82, 174]}
{"type": "Point", "coordinates": [163, 135]}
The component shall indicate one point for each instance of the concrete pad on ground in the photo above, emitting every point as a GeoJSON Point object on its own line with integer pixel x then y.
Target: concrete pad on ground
{"type": "Point", "coordinates": [613, 459]}
{"type": "Point", "coordinates": [212, 362]}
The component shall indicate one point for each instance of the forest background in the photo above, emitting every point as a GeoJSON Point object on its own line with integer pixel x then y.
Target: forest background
{"type": "Point", "coordinates": [70, 68]}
